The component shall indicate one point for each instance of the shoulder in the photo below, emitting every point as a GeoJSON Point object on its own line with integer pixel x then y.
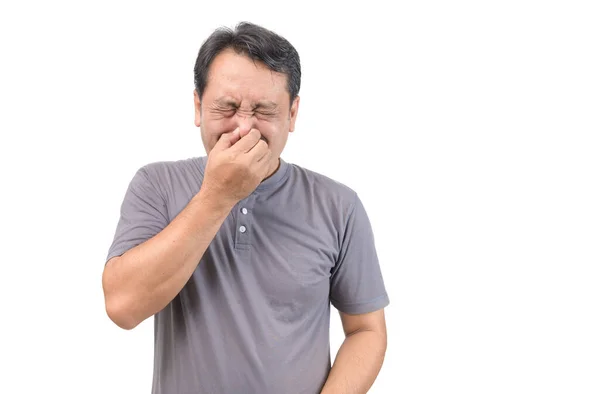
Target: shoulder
{"type": "Point", "coordinates": [324, 188]}
{"type": "Point", "coordinates": [167, 177]}
{"type": "Point", "coordinates": [165, 169]}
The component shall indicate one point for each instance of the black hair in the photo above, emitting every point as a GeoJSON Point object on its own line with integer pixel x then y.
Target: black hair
{"type": "Point", "coordinates": [257, 43]}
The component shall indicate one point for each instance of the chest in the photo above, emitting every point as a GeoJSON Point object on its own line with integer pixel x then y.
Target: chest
{"type": "Point", "coordinates": [281, 253]}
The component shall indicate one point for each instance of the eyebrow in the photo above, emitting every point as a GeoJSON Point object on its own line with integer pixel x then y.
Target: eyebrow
{"type": "Point", "coordinates": [226, 102]}
{"type": "Point", "coordinates": [266, 104]}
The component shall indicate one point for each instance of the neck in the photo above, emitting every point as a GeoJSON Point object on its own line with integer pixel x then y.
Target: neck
{"type": "Point", "coordinates": [273, 167]}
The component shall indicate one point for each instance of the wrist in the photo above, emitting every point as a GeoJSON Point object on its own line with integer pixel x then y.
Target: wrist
{"type": "Point", "coordinates": [214, 200]}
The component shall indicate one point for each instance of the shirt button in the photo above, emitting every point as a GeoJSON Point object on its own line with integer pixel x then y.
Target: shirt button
{"type": "Point", "coordinates": [244, 211]}
{"type": "Point", "coordinates": [242, 229]}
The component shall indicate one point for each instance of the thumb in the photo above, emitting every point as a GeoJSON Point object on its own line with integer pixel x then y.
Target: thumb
{"type": "Point", "coordinates": [226, 140]}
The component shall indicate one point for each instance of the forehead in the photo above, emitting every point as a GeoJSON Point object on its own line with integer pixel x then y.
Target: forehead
{"type": "Point", "coordinates": [235, 75]}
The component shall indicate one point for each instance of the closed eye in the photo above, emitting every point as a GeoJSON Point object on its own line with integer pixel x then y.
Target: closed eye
{"type": "Point", "coordinates": [266, 114]}
{"type": "Point", "coordinates": [223, 111]}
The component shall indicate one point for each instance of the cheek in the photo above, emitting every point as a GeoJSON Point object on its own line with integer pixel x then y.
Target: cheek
{"type": "Point", "coordinates": [215, 127]}
{"type": "Point", "coordinates": [272, 130]}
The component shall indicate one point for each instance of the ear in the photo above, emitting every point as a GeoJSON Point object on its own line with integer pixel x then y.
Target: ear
{"type": "Point", "coordinates": [294, 113]}
{"type": "Point", "coordinates": [197, 109]}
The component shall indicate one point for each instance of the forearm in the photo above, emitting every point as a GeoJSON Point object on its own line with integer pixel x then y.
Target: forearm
{"type": "Point", "coordinates": [146, 278]}
{"type": "Point", "coordinates": [357, 363]}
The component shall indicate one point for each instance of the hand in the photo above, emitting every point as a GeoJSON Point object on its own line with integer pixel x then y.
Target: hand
{"type": "Point", "coordinates": [236, 166]}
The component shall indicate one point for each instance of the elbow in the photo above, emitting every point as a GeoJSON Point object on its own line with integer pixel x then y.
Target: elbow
{"type": "Point", "coordinates": [118, 308]}
{"type": "Point", "coordinates": [120, 314]}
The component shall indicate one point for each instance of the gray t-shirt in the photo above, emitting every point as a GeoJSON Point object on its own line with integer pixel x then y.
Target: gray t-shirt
{"type": "Point", "coordinates": [254, 316]}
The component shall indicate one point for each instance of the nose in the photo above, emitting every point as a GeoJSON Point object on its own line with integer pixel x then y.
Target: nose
{"type": "Point", "coordinates": [245, 122]}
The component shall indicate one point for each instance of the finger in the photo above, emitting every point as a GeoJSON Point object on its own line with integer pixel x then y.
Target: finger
{"type": "Point", "coordinates": [258, 151]}
{"type": "Point", "coordinates": [244, 144]}
{"type": "Point", "coordinates": [226, 140]}
{"type": "Point", "coordinates": [267, 156]}
{"type": "Point", "coordinates": [263, 167]}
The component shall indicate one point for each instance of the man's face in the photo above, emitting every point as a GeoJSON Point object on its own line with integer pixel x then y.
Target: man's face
{"type": "Point", "coordinates": [245, 94]}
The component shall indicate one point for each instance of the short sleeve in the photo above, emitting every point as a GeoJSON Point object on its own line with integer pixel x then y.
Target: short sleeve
{"type": "Point", "coordinates": [357, 284]}
{"type": "Point", "coordinates": [143, 215]}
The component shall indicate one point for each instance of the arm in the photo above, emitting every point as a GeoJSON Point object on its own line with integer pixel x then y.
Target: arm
{"type": "Point", "coordinates": [361, 355]}
{"type": "Point", "coordinates": [146, 278]}
{"type": "Point", "coordinates": [143, 280]}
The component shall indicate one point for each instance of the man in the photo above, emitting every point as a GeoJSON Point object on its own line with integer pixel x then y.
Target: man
{"type": "Point", "coordinates": [238, 254]}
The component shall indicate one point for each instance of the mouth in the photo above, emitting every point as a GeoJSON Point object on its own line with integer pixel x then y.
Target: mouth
{"type": "Point", "coordinates": [264, 139]}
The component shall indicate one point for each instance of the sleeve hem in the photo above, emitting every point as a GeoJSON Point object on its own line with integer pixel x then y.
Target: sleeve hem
{"type": "Point", "coordinates": [114, 253]}
{"type": "Point", "coordinates": [362, 307]}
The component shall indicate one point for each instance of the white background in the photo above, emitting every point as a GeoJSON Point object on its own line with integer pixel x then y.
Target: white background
{"type": "Point", "coordinates": [470, 130]}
